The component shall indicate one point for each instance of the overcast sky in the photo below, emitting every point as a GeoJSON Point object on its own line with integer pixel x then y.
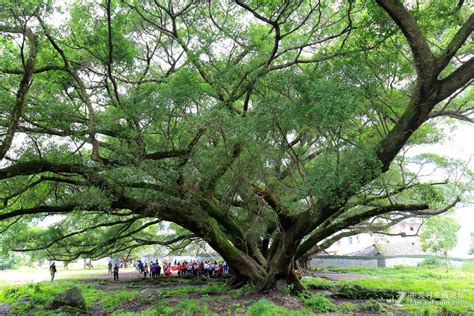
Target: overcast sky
{"type": "Point", "coordinates": [460, 144]}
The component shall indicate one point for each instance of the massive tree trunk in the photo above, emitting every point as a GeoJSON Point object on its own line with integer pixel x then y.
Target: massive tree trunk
{"type": "Point", "coordinates": [278, 272]}
{"type": "Point", "coordinates": [281, 264]}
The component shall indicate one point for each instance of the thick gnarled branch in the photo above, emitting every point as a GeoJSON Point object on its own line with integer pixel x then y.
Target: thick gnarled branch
{"type": "Point", "coordinates": [23, 87]}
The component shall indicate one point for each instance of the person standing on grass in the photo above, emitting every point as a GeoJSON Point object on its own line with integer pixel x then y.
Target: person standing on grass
{"type": "Point", "coordinates": [116, 270]}
{"type": "Point", "coordinates": [110, 267]}
{"type": "Point", "coordinates": [167, 269]}
{"type": "Point", "coordinates": [145, 270]}
{"type": "Point", "coordinates": [153, 269]}
{"type": "Point", "coordinates": [52, 270]}
{"type": "Point", "coordinates": [158, 269]}
{"type": "Point", "coordinates": [140, 266]}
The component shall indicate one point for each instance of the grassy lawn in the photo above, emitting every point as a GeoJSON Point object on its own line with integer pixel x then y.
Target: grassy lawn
{"type": "Point", "coordinates": [25, 298]}
{"type": "Point", "coordinates": [427, 291]}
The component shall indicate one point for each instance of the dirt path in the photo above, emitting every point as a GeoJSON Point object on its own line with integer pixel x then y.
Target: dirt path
{"type": "Point", "coordinates": [124, 275]}
{"type": "Point", "coordinates": [339, 276]}
{"type": "Point", "coordinates": [28, 275]}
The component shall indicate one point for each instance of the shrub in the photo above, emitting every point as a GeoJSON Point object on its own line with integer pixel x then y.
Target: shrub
{"type": "Point", "coordinates": [318, 302]}
{"type": "Point", "coordinates": [9, 261]}
{"type": "Point", "coordinates": [431, 262]}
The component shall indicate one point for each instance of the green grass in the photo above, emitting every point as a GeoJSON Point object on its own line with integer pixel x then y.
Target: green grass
{"type": "Point", "coordinates": [457, 285]}
{"type": "Point", "coordinates": [420, 272]}
{"type": "Point", "coordinates": [268, 308]}
{"type": "Point", "coordinates": [183, 307]}
{"type": "Point", "coordinates": [191, 307]}
{"type": "Point", "coordinates": [318, 302]}
{"type": "Point", "coordinates": [455, 289]}
{"type": "Point", "coordinates": [38, 295]}
{"type": "Point", "coordinates": [468, 266]}
{"type": "Point", "coordinates": [112, 300]}
{"type": "Point", "coordinates": [148, 312]}
{"type": "Point", "coordinates": [214, 287]}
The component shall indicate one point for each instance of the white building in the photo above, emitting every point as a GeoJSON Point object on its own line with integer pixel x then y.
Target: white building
{"type": "Point", "coordinates": [400, 239]}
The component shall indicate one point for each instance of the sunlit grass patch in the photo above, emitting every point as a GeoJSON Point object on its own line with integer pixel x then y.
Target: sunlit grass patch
{"type": "Point", "coordinates": [318, 302]}
{"type": "Point", "coordinates": [213, 287]}
{"type": "Point", "coordinates": [428, 290]}
{"type": "Point", "coordinates": [192, 306]}
{"type": "Point", "coordinates": [113, 299]}
{"type": "Point", "coordinates": [24, 298]}
{"type": "Point", "coordinates": [316, 282]}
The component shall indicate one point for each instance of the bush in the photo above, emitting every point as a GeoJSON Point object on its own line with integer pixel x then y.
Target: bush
{"type": "Point", "coordinates": [318, 302]}
{"type": "Point", "coordinates": [9, 261]}
{"type": "Point", "coordinates": [431, 262]}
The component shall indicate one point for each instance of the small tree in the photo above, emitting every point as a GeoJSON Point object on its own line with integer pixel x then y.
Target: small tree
{"type": "Point", "coordinates": [440, 235]}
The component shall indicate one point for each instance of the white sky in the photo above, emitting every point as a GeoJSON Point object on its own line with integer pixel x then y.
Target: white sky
{"type": "Point", "coordinates": [459, 144]}
{"type": "Point", "coordinates": [462, 146]}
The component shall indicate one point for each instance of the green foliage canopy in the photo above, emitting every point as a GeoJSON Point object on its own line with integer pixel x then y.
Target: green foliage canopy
{"type": "Point", "coordinates": [260, 127]}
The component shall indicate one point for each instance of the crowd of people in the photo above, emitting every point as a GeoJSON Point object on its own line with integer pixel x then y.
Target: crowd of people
{"type": "Point", "coordinates": [153, 269]}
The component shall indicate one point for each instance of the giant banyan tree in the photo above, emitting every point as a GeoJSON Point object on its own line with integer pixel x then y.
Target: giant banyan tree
{"type": "Point", "coordinates": [265, 128]}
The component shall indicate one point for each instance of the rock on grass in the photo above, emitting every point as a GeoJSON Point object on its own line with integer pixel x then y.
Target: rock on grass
{"type": "Point", "coordinates": [71, 298]}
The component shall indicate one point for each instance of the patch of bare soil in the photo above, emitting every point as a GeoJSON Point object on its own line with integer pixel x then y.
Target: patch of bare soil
{"type": "Point", "coordinates": [140, 283]}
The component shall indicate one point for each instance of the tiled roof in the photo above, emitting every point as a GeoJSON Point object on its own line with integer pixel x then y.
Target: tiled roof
{"type": "Point", "coordinates": [400, 247]}
{"type": "Point", "coordinates": [366, 252]}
